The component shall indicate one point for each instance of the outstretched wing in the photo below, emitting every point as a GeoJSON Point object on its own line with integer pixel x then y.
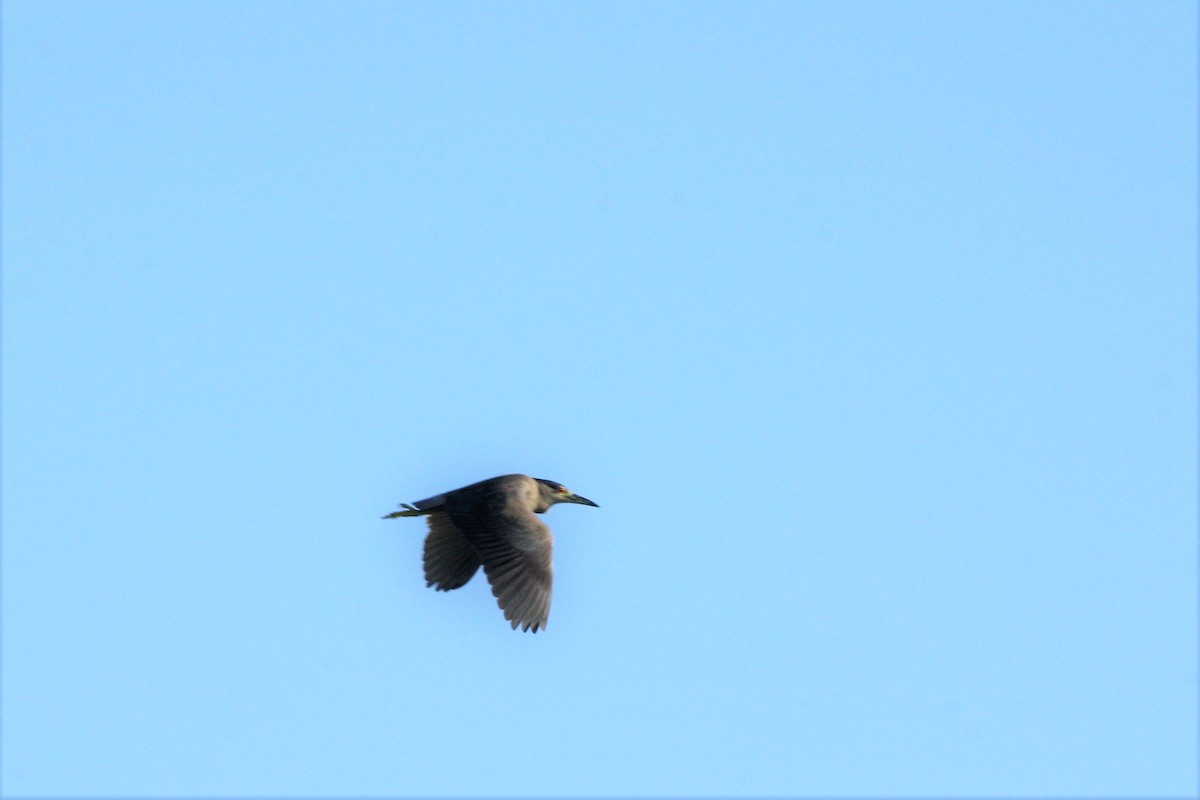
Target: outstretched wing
{"type": "Point", "coordinates": [450, 560]}
{"type": "Point", "coordinates": [515, 548]}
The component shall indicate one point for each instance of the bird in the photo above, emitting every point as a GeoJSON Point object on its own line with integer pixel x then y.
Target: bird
{"type": "Point", "coordinates": [494, 524]}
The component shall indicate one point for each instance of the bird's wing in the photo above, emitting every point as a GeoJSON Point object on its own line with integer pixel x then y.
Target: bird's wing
{"type": "Point", "coordinates": [450, 560]}
{"type": "Point", "coordinates": [515, 548]}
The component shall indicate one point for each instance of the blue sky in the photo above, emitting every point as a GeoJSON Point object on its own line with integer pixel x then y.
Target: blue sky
{"type": "Point", "coordinates": [871, 327]}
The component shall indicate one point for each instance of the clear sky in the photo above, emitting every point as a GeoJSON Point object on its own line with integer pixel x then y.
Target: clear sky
{"type": "Point", "coordinates": [870, 326]}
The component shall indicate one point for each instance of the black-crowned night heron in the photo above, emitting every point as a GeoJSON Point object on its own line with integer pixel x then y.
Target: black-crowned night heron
{"type": "Point", "coordinates": [493, 523]}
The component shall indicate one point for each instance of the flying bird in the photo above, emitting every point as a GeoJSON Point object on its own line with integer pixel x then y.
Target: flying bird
{"type": "Point", "coordinates": [494, 524]}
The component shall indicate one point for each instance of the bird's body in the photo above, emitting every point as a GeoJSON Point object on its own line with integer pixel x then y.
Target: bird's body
{"type": "Point", "coordinates": [494, 524]}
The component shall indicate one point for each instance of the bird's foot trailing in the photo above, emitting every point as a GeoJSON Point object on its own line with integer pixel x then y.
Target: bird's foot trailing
{"type": "Point", "coordinates": [409, 511]}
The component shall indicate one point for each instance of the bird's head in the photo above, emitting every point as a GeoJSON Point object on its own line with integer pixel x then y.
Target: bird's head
{"type": "Point", "coordinates": [553, 492]}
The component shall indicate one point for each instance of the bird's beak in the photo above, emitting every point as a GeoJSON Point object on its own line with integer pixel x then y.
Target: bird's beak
{"type": "Point", "coordinates": [583, 501]}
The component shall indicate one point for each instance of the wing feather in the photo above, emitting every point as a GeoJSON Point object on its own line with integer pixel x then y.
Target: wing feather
{"type": "Point", "coordinates": [450, 560]}
{"type": "Point", "coordinates": [514, 546]}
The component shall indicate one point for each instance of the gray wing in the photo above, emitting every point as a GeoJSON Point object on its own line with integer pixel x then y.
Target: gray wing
{"type": "Point", "coordinates": [515, 548]}
{"type": "Point", "coordinates": [450, 560]}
